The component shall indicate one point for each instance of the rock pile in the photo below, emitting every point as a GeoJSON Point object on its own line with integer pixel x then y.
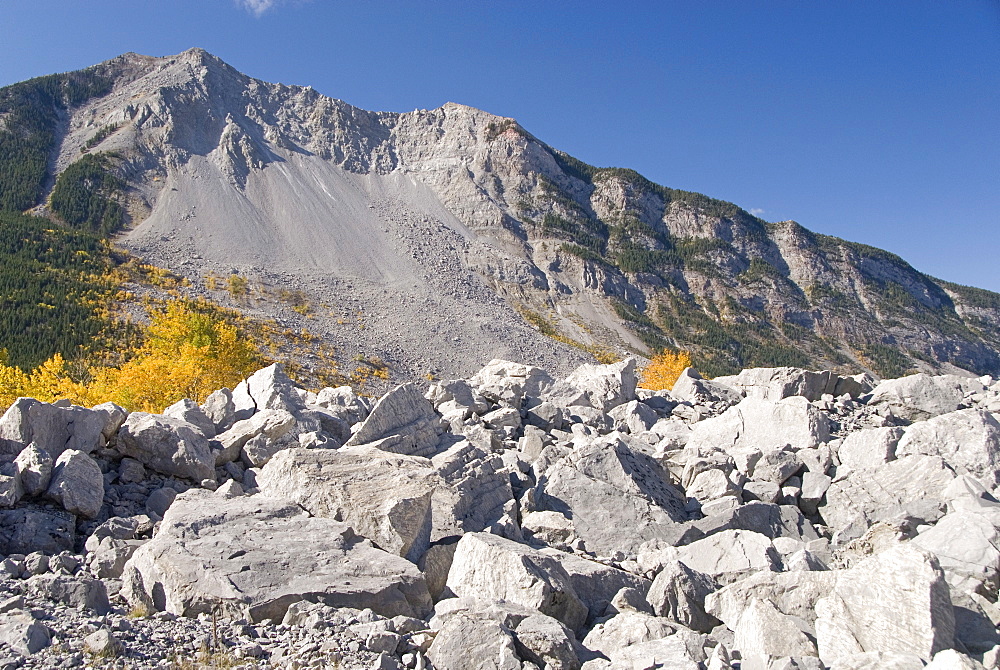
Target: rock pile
{"type": "Point", "coordinates": [778, 518]}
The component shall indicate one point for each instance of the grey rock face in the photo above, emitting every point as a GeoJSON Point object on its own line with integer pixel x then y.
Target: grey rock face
{"type": "Point", "coordinates": [169, 446]}
{"type": "Point", "coordinates": [596, 584]}
{"type": "Point", "coordinates": [254, 556]}
{"type": "Point", "coordinates": [869, 448]}
{"type": "Point", "coordinates": [27, 529]}
{"type": "Point", "coordinates": [764, 631]}
{"type": "Point", "coordinates": [605, 486]}
{"type": "Point", "coordinates": [895, 601]}
{"type": "Point", "coordinates": [918, 397]}
{"type": "Point", "coordinates": [53, 428]}
{"type": "Point", "coordinates": [188, 410]}
{"type": "Point", "coordinates": [268, 388]}
{"type": "Point", "coordinates": [23, 634]}
{"type": "Point", "coordinates": [77, 484]}
{"type": "Point", "coordinates": [385, 497]}
{"type": "Point", "coordinates": [602, 387]}
{"type": "Point", "coordinates": [966, 545]}
{"type": "Point", "coordinates": [778, 383]}
{"type": "Point", "coordinates": [402, 421]}
{"type": "Point", "coordinates": [678, 593]}
{"type": "Point", "coordinates": [691, 387]}
{"type": "Point", "coordinates": [34, 468]}
{"type": "Point", "coordinates": [78, 591]}
{"type": "Point", "coordinates": [474, 642]}
{"type": "Point", "coordinates": [730, 555]}
{"type": "Point", "coordinates": [271, 424]}
{"type": "Point", "coordinates": [968, 440]}
{"type": "Point", "coordinates": [492, 567]}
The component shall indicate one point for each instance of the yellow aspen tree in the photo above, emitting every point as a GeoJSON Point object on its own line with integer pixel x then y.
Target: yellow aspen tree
{"type": "Point", "coordinates": [664, 369]}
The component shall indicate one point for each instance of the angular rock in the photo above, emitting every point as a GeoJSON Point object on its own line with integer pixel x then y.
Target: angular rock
{"type": "Point", "coordinates": [874, 494]}
{"type": "Point", "coordinates": [253, 556]}
{"type": "Point", "coordinates": [602, 387]}
{"type": "Point", "coordinates": [159, 501]}
{"type": "Point", "coordinates": [730, 554]}
{"type": "Point", "coordinates": [606, 486]}
{"type": "Point", "coordinates": [949, 659]}
{"type": "Point", "coordinates": [634, 417]}
{"type": "Point", "coordinates": [478, 490]}
{"type": "Point", "coordinates": [968, 440]}
{"type": "Point", "coordinates": [268, 388]}
{"type": "Point", "coordinates": [921, 396]}
{"type": "Point", "coordinates": [168, 446]}
{"type": "Point", "coordinates": [219, 409]}
{"type": "Point", "coordinates": [967, 546]}
{"type": "Point", "coordinates": [762, 425]}
{"type": "Point", "coordinates": [509, 382]}
{"type": "Point", "coordinates": [78, 591]}
{"type": "Point", "coordinates": [491, 567]}
{"type": "Point", "coordinates": [189, 411]}
{"type": "Point", "coordinates": [54, 428]}
{"type": "Point", "coordinates": [869, 447]}
{"type": "Point", "coordinates": [34, 467]}
{"type": "Point", "coordinates": [895, 601]}
{"type": "Point", "coordinates": [271, 424]}
{"type": "Point", "coordinates": [476, 641]}
{"type": "Point", "coordinates": [102, 644]}
{"type": "Point", "coordinates": [77, 484]}
{"type": "Point", "coordinates": [778, 383]}
{"type": "Point", "coordinates": [11, 490]}
{"type": "Point", "coordinates": [386, 497]}
{"type": "Point", "coordinates": [546, 642]}
{"type": "Point", "coordinates": [792, 593]}
{"type": "Point", "coordinates": [596, 584]}
{"type": "Point", "coordinates": [875, 660]}
{"type": "Point", "coordinates": [403, 422]}
{"type": "Point", "coordinates": [27, 529]}
{"type": "Point", "coordinates": [690, 387]}
{"type": "Point", "coordinates": [23, 634]}
{"type": "Point", "coordinates": [678, 593]}
{"type": "Point", "coordinates": [770, 520]}
{"type": "Point", "coordinates": [765, 631]}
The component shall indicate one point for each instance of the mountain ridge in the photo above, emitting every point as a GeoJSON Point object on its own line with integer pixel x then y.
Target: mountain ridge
{"type": "Point", "coordinates": [455, 216]}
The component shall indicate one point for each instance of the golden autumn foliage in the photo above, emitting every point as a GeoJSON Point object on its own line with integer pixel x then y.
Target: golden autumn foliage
{"type": "Point", "coordinates": [186, 352]}
{"type": "Point", "coordinates": [664, 369]}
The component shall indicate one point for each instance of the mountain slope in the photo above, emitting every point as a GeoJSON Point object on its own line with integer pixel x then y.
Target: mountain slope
{"type": "Point", "coordinates": [425, 237]}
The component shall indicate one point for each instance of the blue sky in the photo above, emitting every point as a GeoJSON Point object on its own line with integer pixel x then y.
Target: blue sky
{"type": "Point", "coordinates": [877, 121]}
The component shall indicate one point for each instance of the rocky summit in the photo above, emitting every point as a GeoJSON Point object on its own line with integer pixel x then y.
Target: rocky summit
{"type": "Point", "coordinates": [437, 239]}
{"type": "Point", "coordinates": [778, 518]}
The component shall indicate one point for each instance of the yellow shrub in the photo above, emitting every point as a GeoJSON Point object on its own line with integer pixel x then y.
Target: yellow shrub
{"type": "Point", "coordinates": [664, 369]}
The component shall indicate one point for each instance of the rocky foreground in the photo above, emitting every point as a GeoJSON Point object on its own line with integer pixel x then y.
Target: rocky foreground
{"type": "Point", "coordinates": [775, 519]}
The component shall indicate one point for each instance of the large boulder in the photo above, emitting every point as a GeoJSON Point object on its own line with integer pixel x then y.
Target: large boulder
{"type": "Point", "coordinates": [792, 593]}
{"type": "Point", "coordinates": [606, 486]}
{"type": "Point", "coordinates": [921, 396]}
{"type": "Point", "coordinates": [386, 497]}
{"type": "Point", "coordinates": [54, 428]}
{"type": "Point", "coordinates": [34, 469]}
{"type": "Point", "coordinates": [765, 631]}
{"type": "Point", "coordinates": [678, 593]}
{"type": "Point", "coordinates": [967, 546]}
{"type": "Point", "coordinates": [731, 554]}
{"type": "Point", "coordinates": [272, 424]}
{"type": "Point", "coordinates": [268, 388]}
{"type": "Point", "coordinates": [252, 556]}
{"type": "Point", "coordinates": [595, 583]}
{"type": "Point", "coordinates": [778, 383]}
{"type": "Point", "coordinates": [478, 490]}
{"type": "Point", "coordinates": [474, 641]}
{"type": "Point", "coordinates": [170, 446]}
{"type": "Point", "coordinates": [27, 529]}
{"type": "Point", "coordinates": [968, 440]}
{"type": "Point", "coordinates": [690, 387]}
{"type": "Point", "coordinates": [504, 381]}
{"type": "Point", "coordinates": [895, 601]}
{"type": "Point", "coordinates": [403, 421]}
{"type": "Point", "coordinates": [874, 494]}
{"type": "Point", "coordinates": [758, 425]}
{"type": "Point", "coordinates": [602, 387]}
{"type": "Point", "coordinates": [495, 568]}
{"type": "Point", "coordinates": [77, 484]}
{"type": "Point", "coordinates": [869, 447]}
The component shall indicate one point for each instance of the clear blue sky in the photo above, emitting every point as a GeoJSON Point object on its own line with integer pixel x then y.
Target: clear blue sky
{"type": "Point", "coordinates": [876, 121]}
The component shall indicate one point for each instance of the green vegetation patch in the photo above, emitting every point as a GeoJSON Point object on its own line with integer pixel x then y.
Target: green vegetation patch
{"type": "Point", "coordinates": [87, 194]}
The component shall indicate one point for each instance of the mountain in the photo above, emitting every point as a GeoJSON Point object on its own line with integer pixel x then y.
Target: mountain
{"type": "Point", "coordinates": [437, 239]}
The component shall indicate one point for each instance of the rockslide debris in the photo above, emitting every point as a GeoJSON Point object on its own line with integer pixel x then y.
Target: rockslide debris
{"type": "Point", "coordinates": [779, 518]}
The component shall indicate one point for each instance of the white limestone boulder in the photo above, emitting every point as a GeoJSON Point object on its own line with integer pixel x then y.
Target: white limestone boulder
{"type": "Point", "coordinates": [403, 421]}
{"type": "Point", "coordinates": [77, 484]}
{"type": "Point", "coordinates": [968, 440]}
{"type": "Point", "coordinates": [54, 428]}
{"type": "Point", "coordinates": [731, 554]}
{"type": "Point", "coordinates": [386, 497]}
{"type": "Point", "coordinates": [922, 396]}
{"type": "Point", "coordinates": [169, 446]}
{"type": "Point", "coordinates": [252, 556]}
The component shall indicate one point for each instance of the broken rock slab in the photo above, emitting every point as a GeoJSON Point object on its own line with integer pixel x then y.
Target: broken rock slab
{"type": "Point", "coordinates": [252, 556]}
{"type": "Point", "coordinates": [895, 601]}
{"type": "Point", "coordinates": [386, 497]}
{"type": "Point", "coordinates": [54, 428]}
{"type": "Point", "coordinates": [167, 445]}
{"type": "Point", "coordinates": [922, 396]}
{"type": "Point", "coordinates": [495, 568]}
{"type": "Point", "coordinates": [77, 484]}
{"type": "Point", "coordinates": [403, 421]}
{"type": "Point", "coordinates": [968, 440]}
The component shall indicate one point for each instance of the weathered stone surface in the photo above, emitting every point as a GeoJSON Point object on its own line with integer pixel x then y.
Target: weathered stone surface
{"type": "Point", "coordinates": [895, 601]}
{"type": "Point", "coordinates": [23, 634]}
{"type": "Point", "coordinates": [189, 411]}
{"type": "Point", "coordinates": [596, 584]}
{"type": "Point", "coordinates": [271, 424]}
{"type": "Point", "coordinates": [762, 425]}
{"type": "Point", "coordinates": [869, 447]}
{"type": "Point", "coordinates": [632, 639]}
{"type": "Point", "coordinates": [219, 409]}
{"type": "Point", "coordinates": [778, 383]}
{"type": "Point", "coordinates": [268, 388]}
{"type": "Point", "coordinates": [634, 417]}
{"type": "Point", "coordinates": [491, 567]}
{"type": "Point", "coordinates": [730, 554]}
{"type": "Point", "coordinates": [27, 529]}
{"type": "Point", "coordinates": [169, 446]}
{"type": "Point", "coordinates": [478, 490]}
{"type": "Point", "coordinates": [873, 494]}
{"type": "Point", "coordinates": [11, 490]}
{"type": "Point", "coordinates": [602, 387]}
{"type": "Point", "coordinates": [768, 519]}
{"type": "Point", "coordinates": [402, 421]}
{"type": "Point", "coordinates": [253, 556]}
{"type": "Point", "coordinates": [506, 381]}
{"type": "Point", "coordinates": [967, 546]}
{"type": "Point", "coordinates": [678, 593]}
{"type": "Point", "coordinates": [764, 631]}
{"type": "Point", "coordinates": [34, 468]}
{"type": "Point", "coordinates": [53, 428]}
{"type": "Point", "coordinates": [877, 660]}
{"type": "Point", "coordinates": [792, 593]}
{"type": "Point", "coordinates": [77, 591]}
{"type": "Point", "coordinates": [921, 396]}
{"type": "Point", "coordinates": [692, 388]}
{"type": "Point", "coordinates": [476, 641]}
{"type": "Point", "coordinates": [102, 644]}
{"type": "Point", "coordinates": [546, 642]}
{"type": "Point", "coordinates": [386, 497]}
{"type": "Point", "coordinates": [949, 659]}
{"type": "Point", "coordinates": [968, 440]}
{"type": "Point", "coordinates": [77, 484]}
{"type": "Point", "coordinates": [605, 486]}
